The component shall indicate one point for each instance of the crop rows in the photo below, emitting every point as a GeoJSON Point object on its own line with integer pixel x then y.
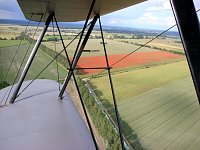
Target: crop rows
{"type": "Point", "coordinates": [166, 117]}
{"type": "Point", "coordinates": [40, 61]}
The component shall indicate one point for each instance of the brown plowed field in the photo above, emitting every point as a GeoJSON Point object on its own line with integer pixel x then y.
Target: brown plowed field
{"type": "Point", "coordinates": [135, 59]}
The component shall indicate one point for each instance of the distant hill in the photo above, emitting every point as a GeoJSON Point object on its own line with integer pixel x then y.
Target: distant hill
{"type": "Point", "coordinates": [14, 22]}
{"type": "Point", "coordinates": [33, 23]}
{"type": "Point", "coordinates": [139, 31]}
{"type": "Point", "coordinates": [110, 29]}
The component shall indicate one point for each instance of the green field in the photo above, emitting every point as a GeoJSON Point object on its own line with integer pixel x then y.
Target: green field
{"type": "Point", "coordinates": [113, 47]}
{"type": "Point", "coordinates": [7, 43]}
{"type": "Point", "coordinates": [158, 103]}
{"type": "Point", "coordinates": [40, 61]}
{"type": "Point", "coordinates": [165, 118]}
{"type": "Point", "coordinates": [168, 43]}
{"type": "Point", "coordinates": [65, 37]}
{"type": "Point", "coordinates": [131, 83]}
{"type": "Point", "coordinates": [10, 31]}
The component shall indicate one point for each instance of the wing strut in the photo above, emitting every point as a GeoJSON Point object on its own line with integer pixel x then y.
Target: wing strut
{"type": "Point", "coordinates": [79, 51]}
{"type": "Point", "coordinates": [77, 56]}
{"type": "Point", "coordinates": [83, 106]}
{"type": "Point", "coordinates": [30, 59]}
{"type": "Point", "coordinates": [112, 88]}
{"type": "Point", "coordinates": [189, 29]}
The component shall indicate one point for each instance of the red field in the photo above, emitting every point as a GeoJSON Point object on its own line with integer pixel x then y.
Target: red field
{"type": "Point", "coordinates": [136, 59]}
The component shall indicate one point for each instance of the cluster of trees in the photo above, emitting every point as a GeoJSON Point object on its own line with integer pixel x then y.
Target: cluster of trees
{"type": "Point", "coordinates": [52, 39]}
{"type": "Point", "coordinates": [177, 42]}
{"type": "Point", "coordinates": [101, 122]}
{"type": "Point", "coordinates": [115, 36]}
{"type": "Point", "coordinates": [151, 37]}
{"type": "Point", "coordinates": [138, 36]}
{"type": "Point", "coordinates": [103, 125]}
{"type": "Point", "coordinates": [95, 36]}
{"type": "Point", "coordinates": [60, 59]}
{"type": "Point", "coordinates": [17, 38]}
{"type": "Point", "coordinates": [135, 36]}
{"type": "Point", "coordinates": [157, 48]}
{"type": "Point", "coordinates": [51, 53]}
{"type": "Point", "coordinates": [168, 50]}
{"type": "Point", "coordinates": [22, 36]}
{"type": "Point", "coordinates": [3, 84]}
{"type": "Point", "coordinates": [3, 38]}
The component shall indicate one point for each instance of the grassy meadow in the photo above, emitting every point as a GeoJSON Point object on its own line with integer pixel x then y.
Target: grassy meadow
{"type": "Point", "coordinates": [8, 43]}
{"type": "Point", "coordinates": [112, 46]}
{"type": "Point", "coordinates": [132, 83]}
{"type": "Point", "coordinates": [168, 43]}
{"type": "Point", "coordinates": [167, 117]}
{"type": "Point", "coordinates": [158, 103]}
{"type": "Point", "coordinates": [10, 31]}
{"type": "Point", "coordinates": [40, 61]}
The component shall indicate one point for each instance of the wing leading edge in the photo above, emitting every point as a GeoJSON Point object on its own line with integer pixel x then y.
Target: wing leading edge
{"type": "Point", "coordinates": [71, 10]}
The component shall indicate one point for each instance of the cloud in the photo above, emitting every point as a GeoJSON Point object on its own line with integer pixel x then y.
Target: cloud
{"type": "Point", "coordinates": [160, 7]}
{"type": "Point", "coordinates": [197, 4]}
{"type": "Point", "coordinates": [7, 14]}
{"type": "Point", "coordinates": [9, 5]}
{"type": "Point", "coordinates": [170, 21]}
{"type": "Point", "coordinates": [113, 21]}
{"type": "Point", "coordinates": [9, 9]}
{"type": "Point", "coordinates": [148, 18]}
{"type": "Point", "coordinates": [166, 5]}
{"type": "Point", "coordinates": [117, 21]}
{"type": "Point", "coordinates": [151, 20]}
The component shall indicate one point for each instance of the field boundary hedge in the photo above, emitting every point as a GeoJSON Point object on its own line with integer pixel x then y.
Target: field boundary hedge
{"type": "Point", "coordinates": [154, 47]}
{"type": "Point", "coordinates": [50, 52]}
{"type": "Point", "coordinates": [102, 122]}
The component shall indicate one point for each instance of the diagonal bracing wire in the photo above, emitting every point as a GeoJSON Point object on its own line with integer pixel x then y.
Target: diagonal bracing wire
{"type": "Point", "coordinates": [25, 31]}
{"type": "Point", "coordinates": [23, 60]}
{"type": "Point", "coordinates": [51, 62]}
{"type": "Point", "coordinates": [78, 51]}
{"type": "Point", "coordinates": [143, 45]}
{"type": "Point", "coordinates": [73, 77]}
{"type": "Point", "coordinates": [84, 27]}
{"type": "Point", "coordinates": [82, 32]}
{"type": "Point", "coordinates": [77, 87]}
{"type": "Point", "coordinates": [112, 88]}
{"type": "Point", "coordinates": [57, 70]}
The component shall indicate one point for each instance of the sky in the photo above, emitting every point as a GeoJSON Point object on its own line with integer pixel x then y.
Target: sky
{"type": "Point", "coordinates": [152, 14]}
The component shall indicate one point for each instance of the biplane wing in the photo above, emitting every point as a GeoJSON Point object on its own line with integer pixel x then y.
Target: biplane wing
{"type": "Point", "coordinates": [39, 121]}
{"type": "Point", "coordinates": [71, 10]}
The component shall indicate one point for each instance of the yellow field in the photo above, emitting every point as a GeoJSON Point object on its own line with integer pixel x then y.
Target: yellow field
{"type": "Point", "coordinates": [167, 43]}
{"type": "Point", "coordinates": [113, 47]}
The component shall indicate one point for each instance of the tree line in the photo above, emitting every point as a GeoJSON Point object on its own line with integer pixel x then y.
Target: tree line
{"type": "Point", "coordinates": [101, 122]}
{"type": "Point", "coordinates": [50, 52]}
{"type": "Point", "coordinates": [157, 48]}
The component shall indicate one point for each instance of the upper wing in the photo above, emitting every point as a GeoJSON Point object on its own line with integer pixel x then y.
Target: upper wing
{"type": "Point", "coordinates": [71, 10]}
